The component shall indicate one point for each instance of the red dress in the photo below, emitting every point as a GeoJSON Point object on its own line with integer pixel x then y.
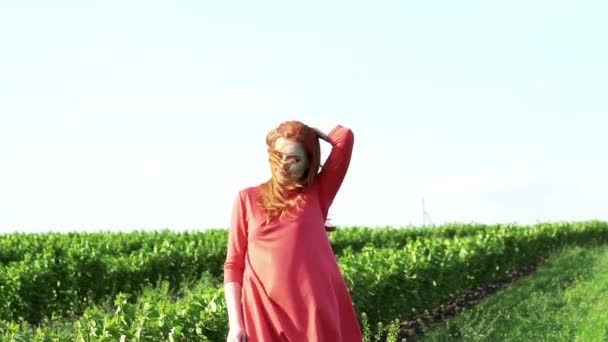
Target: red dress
{"type": "Point", "coordinates": [292, 287]}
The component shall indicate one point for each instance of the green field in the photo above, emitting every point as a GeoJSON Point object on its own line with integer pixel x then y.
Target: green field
{"type": "Point", "coordinates": [167, 286]}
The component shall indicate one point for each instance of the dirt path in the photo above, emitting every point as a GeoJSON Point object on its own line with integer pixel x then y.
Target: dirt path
{"type": "Point", "coordinates": [414, 327]}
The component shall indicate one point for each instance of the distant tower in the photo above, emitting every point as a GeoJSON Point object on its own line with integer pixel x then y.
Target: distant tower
{"type": "Point", "coordinates": [426, 218]}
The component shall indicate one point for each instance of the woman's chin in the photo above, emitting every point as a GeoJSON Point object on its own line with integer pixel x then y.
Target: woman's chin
{"type": "Point", "coordinates": [281, 179]}
{"type": "Point", "coordinates": [284, 180]}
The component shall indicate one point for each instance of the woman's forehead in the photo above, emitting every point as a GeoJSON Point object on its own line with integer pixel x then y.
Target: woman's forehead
{"type": "Point", "coordinates": [288, 146]}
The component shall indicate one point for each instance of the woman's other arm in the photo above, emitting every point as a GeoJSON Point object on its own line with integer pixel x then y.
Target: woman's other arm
{"type": "Point", "coordinates": [232, 293]}
{"type": "Point", "coordinates": [234, 265]}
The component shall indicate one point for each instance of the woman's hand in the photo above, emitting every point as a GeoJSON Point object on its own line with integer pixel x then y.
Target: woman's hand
{"type": "Point", "coordinates": [320, 133]}
{"type": "Point", "coordinates": [236, 334]}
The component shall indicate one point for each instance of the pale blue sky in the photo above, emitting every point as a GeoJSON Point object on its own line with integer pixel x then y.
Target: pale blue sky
{"type": "Point", "coordinates": [148, 115]}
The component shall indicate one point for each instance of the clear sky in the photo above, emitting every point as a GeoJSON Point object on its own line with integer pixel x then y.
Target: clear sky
{"type": "Point", "coordinates": [122, 115]}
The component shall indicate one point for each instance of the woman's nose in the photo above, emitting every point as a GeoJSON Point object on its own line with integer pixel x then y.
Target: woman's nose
{"type": "Point", "coordinates": [285, 163]}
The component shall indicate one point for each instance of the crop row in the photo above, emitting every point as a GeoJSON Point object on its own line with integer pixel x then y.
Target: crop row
{"type": "Point", "coordinates": [15, 247]}
{"type": "Point", "coordinates": [47, 275]}
{"type": "Point", "coordinates": [60, 275]}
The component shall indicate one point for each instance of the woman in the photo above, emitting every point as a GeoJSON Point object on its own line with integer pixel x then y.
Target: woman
{"type": "Point", "coordinates": [279, 260]}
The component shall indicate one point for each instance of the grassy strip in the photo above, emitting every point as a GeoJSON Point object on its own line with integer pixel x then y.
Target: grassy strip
{"type": "Point", "coordinates": [566, 300]}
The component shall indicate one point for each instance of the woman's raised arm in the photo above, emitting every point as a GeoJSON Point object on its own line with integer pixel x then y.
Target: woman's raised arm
{"type": "Point", "coordinates": [336, 165]}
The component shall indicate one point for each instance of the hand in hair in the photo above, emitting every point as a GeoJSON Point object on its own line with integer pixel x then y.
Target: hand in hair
{"type": "Point", "coordinates": [322, 134]}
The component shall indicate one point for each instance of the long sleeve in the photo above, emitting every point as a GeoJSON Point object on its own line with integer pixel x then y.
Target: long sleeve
{"type": "Point", "coordinates": [334, 170]}
{"type": "Point", "coordinates": [237, 243]}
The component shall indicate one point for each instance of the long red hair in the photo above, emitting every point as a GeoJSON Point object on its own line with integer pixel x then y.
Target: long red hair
{"type": "Point", "coordinates": [277, 199]}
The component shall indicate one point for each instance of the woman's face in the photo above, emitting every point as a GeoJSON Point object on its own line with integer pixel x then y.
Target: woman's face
{"type": "Point", "coordinates": [293, 161]}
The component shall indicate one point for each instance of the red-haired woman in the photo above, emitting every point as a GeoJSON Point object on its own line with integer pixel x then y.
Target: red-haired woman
{"type": "Point", "coordinates": [281, 278]}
